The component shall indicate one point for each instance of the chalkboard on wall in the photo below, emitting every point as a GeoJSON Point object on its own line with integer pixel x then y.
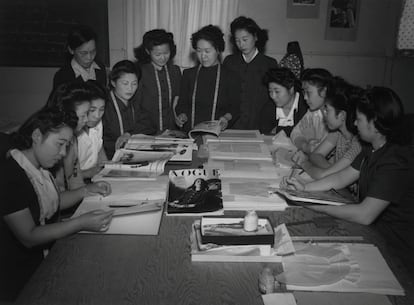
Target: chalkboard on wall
{"type": "Point", "coordinates": [33, 33]}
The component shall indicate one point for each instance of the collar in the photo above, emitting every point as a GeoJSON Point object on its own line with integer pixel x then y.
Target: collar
{"type": "Point", "coordinates": [287, 120]}
{"type": "Point", "coordinates": [254, 55]}
{"type": "Point", "coordinates": [121, 103]}
{"type": "Point", "coordinates": [86, 74]}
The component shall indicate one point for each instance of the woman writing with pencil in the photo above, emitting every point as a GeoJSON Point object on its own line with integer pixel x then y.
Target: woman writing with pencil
{"type": "Point", "coordinates": [385, 172]}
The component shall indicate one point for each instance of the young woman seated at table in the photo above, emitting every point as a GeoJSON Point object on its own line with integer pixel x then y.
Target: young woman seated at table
{"type": "Point", "coordinates": [385, 171]}
{"type": "Point", "coordinates": [81, 65]}
{"type": "Point", "coordinates": [311, 130]}
{"type": "Point", "coordinates": [123, 116]}
{"type": "Point", "coordinates": [72, 97]}
{"type": "Point", "coordinates": [287, 105]}
{"type": "Point", "coordinates": [31, 201]}
{"type": "Point", "coordinates": [209, 91]}
{"type": "Point", "coordinates": [342, 142]}
{"type": "Point", "coordinates": [90, 140]}
{"type": "Point", "coordinates": [159, 87]}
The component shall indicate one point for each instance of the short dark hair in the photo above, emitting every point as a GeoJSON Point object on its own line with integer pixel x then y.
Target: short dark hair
{"type": "Point", "coordinates": [212, 34]}
{"type": "Point", "coordinates": [97, 91]}
{"type": "Point", "coordinates": [383, 106]}
{"type": "Point", "coordinates": [318, 77]}
{"type": "Point", "coordinates": [79, 34]}
{"type": "Point", "coordinates": [47, 120]}
{"type": "Point", "coordinates": [68, 96]}
{"type": "Point", "coordinates": [152, 39]}
{"type": "Point", "coordinates": [284, 77]}
{"type": "Point", "coordinates": [248, 24]}
{"type": "Point", "coordinates": [343, 96]}
{"type": "Point", "coordinates": [123, 67]}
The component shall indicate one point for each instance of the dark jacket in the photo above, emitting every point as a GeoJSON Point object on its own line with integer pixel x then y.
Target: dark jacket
{"type": "Point", "coordinates": [66, 74]}
{"type": "Point", "coordinates": [268, 117]}
{"type": "Point", "coordinates": [253, 92]}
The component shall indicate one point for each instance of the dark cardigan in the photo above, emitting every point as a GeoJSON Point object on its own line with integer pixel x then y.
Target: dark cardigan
{"type": "Point", "coordinates": [268, 117]}
{"type": "Point", "coordinates": [66, 74]}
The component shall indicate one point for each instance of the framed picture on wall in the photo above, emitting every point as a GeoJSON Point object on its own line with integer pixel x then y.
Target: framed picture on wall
{"type": "Point", "coordinates": [302, 8]}
{"type": "Point", "coordinates": [342, 20]}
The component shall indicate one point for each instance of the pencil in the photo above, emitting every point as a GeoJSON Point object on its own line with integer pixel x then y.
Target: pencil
{"type": "Point", "coordinates": [291, 173]}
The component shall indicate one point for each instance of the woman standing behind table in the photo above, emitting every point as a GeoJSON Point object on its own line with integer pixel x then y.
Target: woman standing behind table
{"type": "Point", "coordinates": [250, 64]}
{"type": "Point", "coordinates": [81, 65]}
{"type": "Point", "coordinates": [31, 201]}
{"type": "Point", "coordinates": [159, 87]}
{"type": "Point", "coordinates": [209, 90]}
{"type": "Point", "coordinates": [90, 140]}
{"type": "Point", "coordinates": [123, 116]}
{"type": "Point", "coordinates": [385, 172]}
{"type": "Point", "coordinates": [287, 105]}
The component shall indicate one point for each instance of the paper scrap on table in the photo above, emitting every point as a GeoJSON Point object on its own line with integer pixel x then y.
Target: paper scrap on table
{"type": "Point", "coordinates": [329, 298]}
{"type": "Point", "coordinates": [279, 299]}
{"type": "Point", "coordinates": [283, 242]}
{"type": "Point", "coordinates": [340, 271]}
{"type": "Point", "coordinates": [317, 265]}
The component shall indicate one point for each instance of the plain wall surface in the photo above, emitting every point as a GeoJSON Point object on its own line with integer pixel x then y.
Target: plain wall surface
{"type": "Point", "coordinates": [367, 61]}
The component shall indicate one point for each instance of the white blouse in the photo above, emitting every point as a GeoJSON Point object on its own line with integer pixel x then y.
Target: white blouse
{"type": "Point", "coordinates": [89, 145]}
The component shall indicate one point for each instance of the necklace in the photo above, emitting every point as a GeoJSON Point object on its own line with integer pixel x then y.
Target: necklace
{"type": "Point", "coordinates": [213, 112]}
{"type": "Point", "coordinates": [160, 95]}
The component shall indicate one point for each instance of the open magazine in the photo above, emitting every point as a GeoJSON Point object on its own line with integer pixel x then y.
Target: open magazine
{"type": "Point", "coordinates": [138, 171]}
{"type": "Point", "coordinates": [207, 127]}
{"type": "Point", "coordinates": [235, 135]}
{"type": "Point", "coordinates": [331, 197]}
{"type": "Point", "coordinates": [130, 156]}
{"type": "Point", "coordinates": [181, 149]}
{"type": "Point", "coordinates": [194, 191]}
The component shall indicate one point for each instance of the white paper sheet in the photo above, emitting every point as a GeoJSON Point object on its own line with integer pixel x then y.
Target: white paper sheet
{"type": "Point", "coordinates": [279, 299]}
{"type": "Point", "coordinates": [375, 275]}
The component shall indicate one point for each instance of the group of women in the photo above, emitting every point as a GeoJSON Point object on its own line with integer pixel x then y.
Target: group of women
{"type": "Point", "coordinates": [343, 133]}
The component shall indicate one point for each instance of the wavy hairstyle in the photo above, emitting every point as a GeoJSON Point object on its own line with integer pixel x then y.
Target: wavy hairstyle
{"type": "Point", "coordinates": [318, 77]}
{"type": "Point", "coordinates": [249, 25]}
{"type": "Point", "coordinates": [152, 39]}
{"type": "Point", "coordinates": [47, 120]}
{"type": "Point", "coordinates": [383, 106]}
{"type": "Point", "coordinates": [343, 96]}
{"type": "Point", "coordinates": [77, 36]}
{"type": "Point", "coordinates": [212, 34]}
{"type": "Point", "coordinates": [123, 67]}
{"type": "Point", "coordinates": [284, 77]}
{"type": "Point", "coordinates": [69, 95]}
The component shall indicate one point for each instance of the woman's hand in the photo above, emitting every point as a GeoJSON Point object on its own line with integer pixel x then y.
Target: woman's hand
{"type": "Point", "coordinates": [181, 119]}
{"type": "Point", "coordinates": [224, 121]}
{"type": "Point", "coordinates": [299, 157]}
{"type": "Point", "coordinates": [121, 141]}
{"type": "Point", "coordinates": [101, 187]}
{"type": "Point", "coordinates": [292, 184]}
{"type": "Point", "coordinates": [97, 221]}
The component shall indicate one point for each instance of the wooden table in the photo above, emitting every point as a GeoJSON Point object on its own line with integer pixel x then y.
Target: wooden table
{"type": "Point", "coordinates": [109, 269]}
{"type": "Point", "coordinates": [119, 269]}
